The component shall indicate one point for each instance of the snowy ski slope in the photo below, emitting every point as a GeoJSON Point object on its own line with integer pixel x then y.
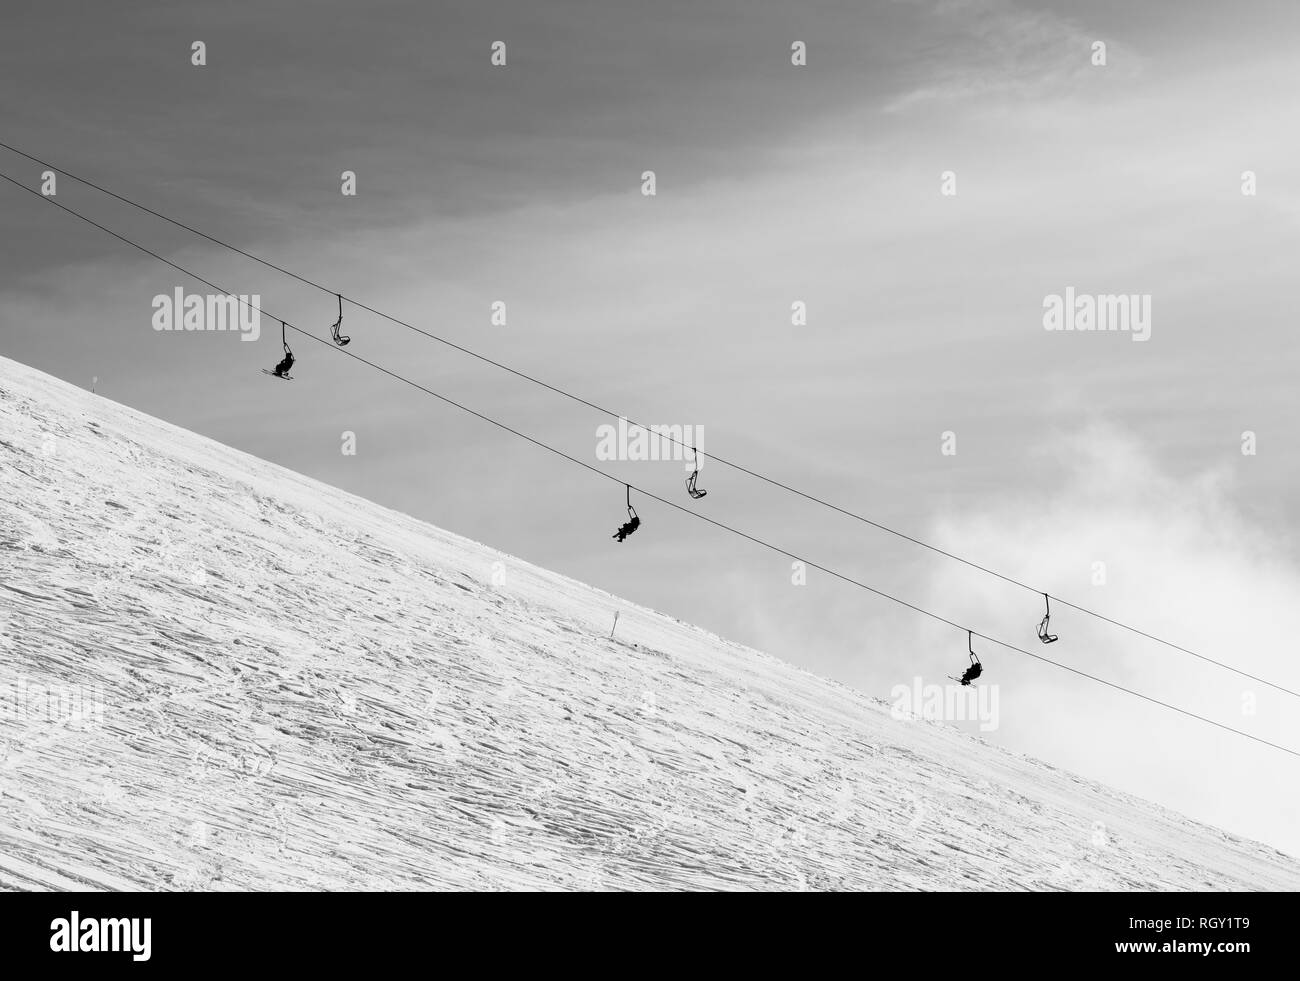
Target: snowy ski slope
{"type": "Point", "coordinates": [219, 674]}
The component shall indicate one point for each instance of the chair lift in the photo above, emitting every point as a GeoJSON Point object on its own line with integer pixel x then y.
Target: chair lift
{"type": "Point", "coordinates": [340, 339]}
{"type": "Point", "coordinates": [695, 492]}
{"type": "Point", "coordinates": [1043, 635]}
{"type": "Point", "coordinates": [282, 369]}
{"type": "Point", "coordinates": [975, 669]}
{"type": "Point", "coordinates": [633, 522]}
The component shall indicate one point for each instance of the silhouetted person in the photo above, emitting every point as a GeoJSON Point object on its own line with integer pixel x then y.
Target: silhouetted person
{"type": "Point", "coordinates": [627, 529]}
{"type": "Point", "coordinates": [971, 673]}
{"type": "Point", "coordinates": [282, 369]}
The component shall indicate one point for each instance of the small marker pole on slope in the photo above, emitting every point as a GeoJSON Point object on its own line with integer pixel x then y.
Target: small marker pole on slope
{"type": "Point", "coordinates": [613, 628]}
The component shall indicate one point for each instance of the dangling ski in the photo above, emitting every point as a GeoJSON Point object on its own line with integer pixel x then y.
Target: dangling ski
{"type": "Point", "coordinates": [287, 378]}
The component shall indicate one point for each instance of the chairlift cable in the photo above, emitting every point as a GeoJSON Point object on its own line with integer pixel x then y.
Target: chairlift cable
{"type": "Point", "coordinates": [591, 405]}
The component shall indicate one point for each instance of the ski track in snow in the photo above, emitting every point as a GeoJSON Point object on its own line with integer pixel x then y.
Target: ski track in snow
{"type": "Point", "coordinates": [303, 690]}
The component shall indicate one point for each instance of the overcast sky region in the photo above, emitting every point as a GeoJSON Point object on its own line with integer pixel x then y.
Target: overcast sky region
{"type": "Point", "coordinates": [774, 184]}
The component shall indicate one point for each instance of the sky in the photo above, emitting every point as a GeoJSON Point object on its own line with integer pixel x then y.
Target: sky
{"type": "Point", "coordinates": [775, 184]}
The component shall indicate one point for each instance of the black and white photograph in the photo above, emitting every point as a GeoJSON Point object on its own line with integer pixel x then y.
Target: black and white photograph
{"type": "Point", "coordinates": [717, 447]}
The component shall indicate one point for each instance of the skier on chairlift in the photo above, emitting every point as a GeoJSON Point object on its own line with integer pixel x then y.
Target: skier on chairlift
{"type": "Point", "coordinates": [633, 522]}
{"type": "Point", "coordinates": [975, 669]}
{"type": "Point", "coordinates": [627, 529]}
{"type": "Point", "coordinates": [973, 672]}
{"type": "Point", "coordinates": [282, 369]}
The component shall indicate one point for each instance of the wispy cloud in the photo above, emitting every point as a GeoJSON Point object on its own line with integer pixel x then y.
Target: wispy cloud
{"type": "Point", "coordinates": [976, 50]}
{"type": "Point", "coordinates": [1175, 556]}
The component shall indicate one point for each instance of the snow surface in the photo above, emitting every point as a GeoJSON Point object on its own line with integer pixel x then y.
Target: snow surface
{"type": "Point", "coordinates": [268, 683]}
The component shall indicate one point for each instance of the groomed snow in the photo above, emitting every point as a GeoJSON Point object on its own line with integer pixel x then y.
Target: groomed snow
{"type": "Point", "coordinates": [268, 683]}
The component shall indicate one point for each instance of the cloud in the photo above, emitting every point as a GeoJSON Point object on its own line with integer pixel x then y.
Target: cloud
{"type": "Point", "coordinates": [1181, 561]}
{"type": "Point", "coordinates": [991, 48]}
